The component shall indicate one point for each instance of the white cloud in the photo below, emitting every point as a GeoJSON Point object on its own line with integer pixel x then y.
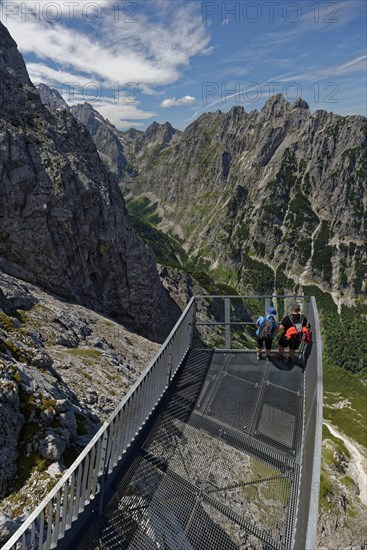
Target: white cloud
{"type": "Point", "coordinates": [354, 66]}
{"type": "Point", "coordinates": [147, 52]}
{"type": "Point", "coordinates": [122, 114]}
{"type": "Point", "coordinates": [41, 73]}
{"type": "Point", "coordinates": [113, 53]}
{"type": "Point", "coordinates": [56, 10]}
{"type": "Point", "coordinates": [185, 100]}
{"type": "Point", "coordinates": [359, 65]}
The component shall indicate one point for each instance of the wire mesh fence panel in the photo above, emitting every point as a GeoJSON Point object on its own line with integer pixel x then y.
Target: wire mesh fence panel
{"type": "Point", "coordinates": [230, 322]}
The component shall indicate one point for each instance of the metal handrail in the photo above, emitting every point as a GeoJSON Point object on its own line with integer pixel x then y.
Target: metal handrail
{"type": "Point", "coordinates": [225, 313]}
{"type": "Point", "coordinates": [310, 459]}
{"type": "Point", "coordinates": [79, 485]}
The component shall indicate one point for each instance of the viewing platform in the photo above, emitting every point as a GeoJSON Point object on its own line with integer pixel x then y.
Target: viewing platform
{"type": "Point", "coordinates": [211, 449]}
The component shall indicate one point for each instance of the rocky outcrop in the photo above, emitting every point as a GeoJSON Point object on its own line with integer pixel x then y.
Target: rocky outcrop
{"type": "Point", "coordinates": [63, 222]}
{"type": "Point", "coordinates": [284, 186]}
{"type": "Point", "coordinates": [343, 505]}
{"type": "Point", "coordinates": [180, 285]}
{"type": "Point", "coordinates": [63, 370]}
{"type": "Point", "coordinates": [53, 98]}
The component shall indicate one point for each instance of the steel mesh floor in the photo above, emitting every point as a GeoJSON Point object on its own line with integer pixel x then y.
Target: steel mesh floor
{"type": "Point", "coordinates": [218, 470]}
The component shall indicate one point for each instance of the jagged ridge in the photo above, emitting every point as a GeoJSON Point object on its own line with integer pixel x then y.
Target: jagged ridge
{"type": "Point", "coordinates": [284, 185]}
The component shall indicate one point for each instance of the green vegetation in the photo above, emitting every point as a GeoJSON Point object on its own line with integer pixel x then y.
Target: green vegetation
{"type": "Point", "coordinates": [300, 211]}
{"type": "Point", "coordinates": [321, 259]}
{"type": "Point", "coordinates": [256, 276]}
{"type": "Point", "coordinates": [345, 364]}
{"type": "Point", "coordinates": [326, 489]}
{"type": "Point", "coordinates": [300, 222]}
{"type": "Point", "coordinates": [167, 250]}
{"type": "Point", "coordinates": [32, 406]}
{"type": "Point", "coordinates": [345, 335]}
{"type": "Point", "coordinates": [338, 446]}
{"type": "Point", "coordinates": [141, 209]}
{"type": "Point", "coordinates": [276, 204]}
{"type": "Point", "coordinates": [345, 402]}
{"type": "Point", "coordinates": [28, 465]}
{"type": "Point", "coordinates": [6, 322]}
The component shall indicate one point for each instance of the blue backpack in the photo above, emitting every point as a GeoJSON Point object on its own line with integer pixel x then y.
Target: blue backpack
{"type": "Point", "coordinates": [266, 328]}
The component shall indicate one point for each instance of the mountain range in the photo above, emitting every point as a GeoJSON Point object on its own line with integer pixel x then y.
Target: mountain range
{"type": "Point", "coordinates": [284, 187]}
{"type": "Point", "coordinates": [270, 201]}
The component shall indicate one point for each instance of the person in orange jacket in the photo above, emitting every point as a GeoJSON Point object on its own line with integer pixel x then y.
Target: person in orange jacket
{"type": "Point", "coordinates": [296, 328]}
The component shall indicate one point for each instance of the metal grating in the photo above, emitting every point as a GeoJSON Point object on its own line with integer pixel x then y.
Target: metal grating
{"type": "Point", "coordinates": [251, 372]}
{"type": "Point", "coordinates": [234, 402]}
{"type": "Point", "coordinates": [217, 470]}
{"type": "Point", "coordinates": [279, 416]}
{"type": "Point", "coordinates": [289, 377]}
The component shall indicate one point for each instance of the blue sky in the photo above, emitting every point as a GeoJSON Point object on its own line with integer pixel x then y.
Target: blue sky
{"type": "Point", "coordinates": [172, 60]}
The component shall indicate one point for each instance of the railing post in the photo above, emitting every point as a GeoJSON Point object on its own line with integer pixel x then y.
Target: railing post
{"type": "Point", "coordinates": [192, 323]}
{"type": "Point", "coordinates": [169, 369]}
{"type": "Point", "coordinates": [267, 305]}
{"type": "Point", "coordinates": [227, 321]}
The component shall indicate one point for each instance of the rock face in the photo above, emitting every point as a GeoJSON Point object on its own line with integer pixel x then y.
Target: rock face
{"type": "Point", "coordinates": [343, 505]}
{"type": "Point", "coordinates": [50, 96]}
{"type": "Point", "coordinates": [112, 144]}
{"type": "Point", "coordinates": [283, 186]}
{"type": "Point", "coordinates": [118, 150]}
{"type": "Point", "coordinates": [11, 422]}
{"type": "Point", "coordinates": [63, 370]}
{"type": "Point", "coordinates": [63, 222]}
{"type": "Point", "coordinates": [105, 136]}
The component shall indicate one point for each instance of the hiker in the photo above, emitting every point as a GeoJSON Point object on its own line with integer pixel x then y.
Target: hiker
{"type": "Point", "coordinates": [267, 327]}
{"type": "Point", "coordinates": [296, 329]}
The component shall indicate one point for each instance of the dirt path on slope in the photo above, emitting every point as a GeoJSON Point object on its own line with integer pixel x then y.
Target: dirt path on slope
{"type": "Point", "coordinates": [357, 464]}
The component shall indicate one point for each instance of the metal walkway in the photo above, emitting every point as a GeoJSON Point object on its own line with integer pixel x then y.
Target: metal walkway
{"type": "Point", "coordinates": [218, 469]}
{"type": "Point", "coordinates": [210, 450]}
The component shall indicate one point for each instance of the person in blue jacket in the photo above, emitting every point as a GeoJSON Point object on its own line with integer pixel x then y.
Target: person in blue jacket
{"type": "Point", "coordinates": [267, 326]}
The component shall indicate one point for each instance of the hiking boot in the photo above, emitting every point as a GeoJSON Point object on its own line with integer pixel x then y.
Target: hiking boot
{"type": "Point", "coordinates": [289, 360]}
{"type": "Point", "coordinates": [280, 356]}
{"type": "Point", "coordinates": [258, 356]}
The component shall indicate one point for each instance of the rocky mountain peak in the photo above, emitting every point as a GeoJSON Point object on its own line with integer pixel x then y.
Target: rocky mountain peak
{"type": "Point", "coordinates": [50, 96]}
{"type": "Point", "coordinates": [106, 137]}
{"type": "Point", "coordinates": [237, 112]}
{"type": "Point", "coordinates": [132, 133]}
{"type": "Point", "coordinates": [277, 187]}
{"type": "Point", "coordinates": [276, 106]}
{"type": "Point", "coordinates": [301, 104]}
{"type": "Point", "coordinates": [163, 132]}
{"type": "Point", "coordinates": [92, 119]}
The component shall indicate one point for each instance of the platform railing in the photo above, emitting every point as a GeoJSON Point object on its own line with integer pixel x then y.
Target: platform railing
{"type": "Point", "coordinates": [81, 482]}
{"type": "Point", "coordinates": [229, 322]}
{"type": "Point", "coordinates": [310, 462]}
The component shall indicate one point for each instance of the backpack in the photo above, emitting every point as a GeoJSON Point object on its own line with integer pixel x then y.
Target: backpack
{"type": "Point", "coordinates": [298, 326]}
{"type": "Point", "coordinates": [267, 328]}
